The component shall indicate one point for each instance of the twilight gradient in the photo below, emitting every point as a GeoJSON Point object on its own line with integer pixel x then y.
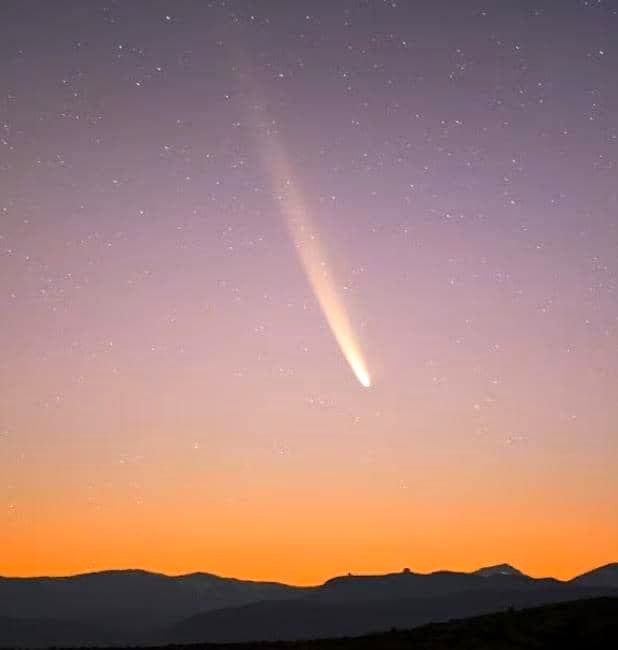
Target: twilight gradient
{"type": "Point", "coordinates": [171, 396]}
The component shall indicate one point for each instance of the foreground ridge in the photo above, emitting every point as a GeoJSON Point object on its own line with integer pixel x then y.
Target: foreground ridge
{"type": "Point", "coordinates": [585, 624]}
{"type": "Point", "coordinates": [137, 608]}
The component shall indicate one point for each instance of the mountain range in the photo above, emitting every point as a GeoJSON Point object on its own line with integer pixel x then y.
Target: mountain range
{"type": "Point", "coordinates": [138, 607]}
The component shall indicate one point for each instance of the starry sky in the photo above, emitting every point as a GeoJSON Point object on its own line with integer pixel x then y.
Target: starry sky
{"type": "Point", "coordinates": [171, 394]}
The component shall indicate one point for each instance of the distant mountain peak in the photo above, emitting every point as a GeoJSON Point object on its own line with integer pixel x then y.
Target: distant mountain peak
{"type": "Point", "coordinates": [606, 576]}
{"type": "Point", "coordinates": [498, 570]}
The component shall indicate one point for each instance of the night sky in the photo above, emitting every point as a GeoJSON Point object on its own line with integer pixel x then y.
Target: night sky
{"type": "Point", "coordinates": [195, 195]}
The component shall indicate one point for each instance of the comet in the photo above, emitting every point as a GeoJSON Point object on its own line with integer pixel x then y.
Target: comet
{"type": "Point", "coordinates": [301, 227]}
{"type": "Point", "coordinates": [314, 262]}
{"type": "Point", "coordinates": [313, 259]}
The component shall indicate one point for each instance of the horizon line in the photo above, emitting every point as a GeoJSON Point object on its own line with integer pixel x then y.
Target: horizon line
{"type": "Point", "coordinates": [291, 584]}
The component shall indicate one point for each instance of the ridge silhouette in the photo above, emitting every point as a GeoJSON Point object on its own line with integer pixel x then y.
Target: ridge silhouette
{"type": "Point", "coordinates": [139, 607]}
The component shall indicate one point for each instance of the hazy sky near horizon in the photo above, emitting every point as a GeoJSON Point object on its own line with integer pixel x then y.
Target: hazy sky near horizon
{"type": "Point", "coordinates": [171, 394]}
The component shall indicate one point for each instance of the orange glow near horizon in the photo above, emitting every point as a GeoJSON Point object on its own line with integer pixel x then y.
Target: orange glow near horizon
{"type": "Point", "coordinates": [73, 552]}
{"type": "Point", "coordinates": [304, 536]}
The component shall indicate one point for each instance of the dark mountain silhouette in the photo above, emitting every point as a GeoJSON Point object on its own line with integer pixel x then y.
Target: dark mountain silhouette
{"type": "Point", "coordinates": [131, 607]}
{"type": "Point", "coordinates": [32, 633]}
{"type": "Point", "coordinates": [419, 585]}
{"type": "Point", "coordinates": [309, 619]}
{"type": "Point", "coordinates": [498, 570]}
{"type": "Point", "coordinates": [580, 625]}
{"type": "Point", "coordinates": [605, 576]}
{"type": "Point", "coordinates": [126, 604]}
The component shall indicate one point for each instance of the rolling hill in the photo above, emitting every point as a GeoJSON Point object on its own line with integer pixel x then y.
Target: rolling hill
{"type": "Point", "coordinates": [137, 607]}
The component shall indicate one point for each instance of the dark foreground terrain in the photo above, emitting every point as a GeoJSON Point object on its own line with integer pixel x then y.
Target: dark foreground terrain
{"type": "Point", "coordinates": [136, 608]}
{"type": "Point", "coordinates": [584, 624]}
